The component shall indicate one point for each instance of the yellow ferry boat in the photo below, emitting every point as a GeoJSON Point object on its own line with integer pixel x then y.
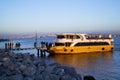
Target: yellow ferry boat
{"type": "Point", "coordinates": [82, 43]}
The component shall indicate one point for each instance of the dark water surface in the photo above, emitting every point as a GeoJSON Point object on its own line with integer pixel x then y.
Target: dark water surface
{"type": "Point", "coordinates": [103, 66]}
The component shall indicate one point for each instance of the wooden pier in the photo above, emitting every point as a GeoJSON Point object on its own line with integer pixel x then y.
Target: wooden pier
{"type": "Point", "coordinates": [41, 52]}
{"type": "Point", "coordinates": [23, 48]}
{"type": "Point", "coordinates": [42, 49]}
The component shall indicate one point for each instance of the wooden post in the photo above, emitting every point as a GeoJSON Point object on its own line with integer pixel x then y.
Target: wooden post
{"type": "Point", "coordinates": [6, 46]}
{"type": "Point", "coordinates": [38, 53]}
{"type": "Point", "coordinates": [41, 53]}
{"type": "Point", "coordinates": [44, 53]}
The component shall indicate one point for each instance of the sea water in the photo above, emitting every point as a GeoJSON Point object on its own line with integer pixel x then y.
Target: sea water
{"type": "Point", "coordinates": [103, 66]}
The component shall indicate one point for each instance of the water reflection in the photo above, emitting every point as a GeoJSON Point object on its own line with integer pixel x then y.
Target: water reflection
{"type": "Point", "coordinates": [85, 60]}
{"type": "Point", "coordinates": [98, 64]}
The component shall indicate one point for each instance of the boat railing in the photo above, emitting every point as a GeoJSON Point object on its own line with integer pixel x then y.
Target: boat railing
{"type": "Point", "coordinates": [99, 36]}
{"type": "Point", "coordinates": [67, 40]}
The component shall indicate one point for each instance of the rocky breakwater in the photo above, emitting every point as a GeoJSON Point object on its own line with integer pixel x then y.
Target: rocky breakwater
{"type": "Point", "coordinates": [29, 67]}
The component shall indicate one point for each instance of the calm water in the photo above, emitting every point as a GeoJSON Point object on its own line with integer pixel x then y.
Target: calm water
{"type": "Point", "coordinates": [101, 65]}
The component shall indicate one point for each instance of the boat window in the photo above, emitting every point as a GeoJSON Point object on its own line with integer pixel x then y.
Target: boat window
{"type": "Point", "coordinates": [60, 36]}
{"type": "Point", "coordinates": [92, 36]}
{"type": "Point", "coordinates": [111, 42]}
{"type": "Point", "coordinates": [76, 37]}
{"type": "Point", "coordinates": [91, 43]}
{"type": "Point", "coordinates": [71, 36]}
{"type": "Point", "coordinates": [59, 44]}
{"type": "Point", "coordinates": [67, 44]}
{"type": "Point", "coordinates": [97, 36]}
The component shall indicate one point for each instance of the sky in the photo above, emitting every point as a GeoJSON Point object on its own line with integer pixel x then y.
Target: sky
{"type": "Point", "coordinates": [53, 16]}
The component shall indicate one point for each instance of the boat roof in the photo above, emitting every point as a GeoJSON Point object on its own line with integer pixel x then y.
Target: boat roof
{"type": "Point", "coordinates": [71, 34]}
{"type": "Point", "coordinates": [80, 34]}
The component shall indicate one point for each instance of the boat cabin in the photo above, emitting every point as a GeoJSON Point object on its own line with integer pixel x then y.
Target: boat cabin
{"type": "Point", "coordinates": [68, 36]}
{"type": "Point", "coordinates": [83, 40]}
{"type": "Point", "coordinates": [80, 43]}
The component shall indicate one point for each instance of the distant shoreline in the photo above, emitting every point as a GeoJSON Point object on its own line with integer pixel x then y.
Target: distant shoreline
{"type": "Point", "coordinates": [1, 40]}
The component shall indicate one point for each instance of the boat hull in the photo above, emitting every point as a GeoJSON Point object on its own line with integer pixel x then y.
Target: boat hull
{"type": "Point", "coordinates": [80, 49]}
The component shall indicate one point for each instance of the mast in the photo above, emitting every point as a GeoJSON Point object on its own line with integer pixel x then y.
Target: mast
{"type": "Point", "coordinates": [36, 38]}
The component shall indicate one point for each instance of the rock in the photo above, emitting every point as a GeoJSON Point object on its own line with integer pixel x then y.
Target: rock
{"type": "Point", "coordinates": [27, 61]}
{"type": "Point", "coordinates": [19, 55]}
{"type": "Point", "coordinates": [66, 77]}
{"type": "Point", "coordinates": [88, 77]}
{"type": "Point", "coordinates": [54, 77]}
{"type": "Point", "coordinates": [1, 63]}
{"type": "Point", "coordinates": [4, 71]}
{"type": "Point", "coordinates": [58, 71]}
{"type": "Point", "coordinates": [22, 67]}
{"type": "Point", "coordinates": [41, 62]}
{"type": "Point", "coordinates": [30, 71]}
{"type": "Point", "coordinates": [12, 55]}
{"type": "Point", "coordinates": [17, 77]}
{"type": "Point", "coordinates": [41, 69]}
{"type": "Point", "coordinates": [28, 67]}
{"type": "Point", "coordinates": [28, 78]}
{"type": "Point", "coordinates": [69, 70]}
{"type": "Point", "coordinates": [6, 64]}
{"type": "Point", "coordinates": [50, 67]}
{"type": "Point", "coordinates": [78, 77]}
{"type": "Point", "coordinates": [55, 64]}
{"type": "Point", "coordinates": [39, 77]}
{"type": "Point", "coordinates": [32, 57]}
{"type": "Point", "coordinates": [5, 78]}
{"type": "Point", "coordinates": [6, 59]}
{"type": "Point", "coordinates": [45, 76]}
{"type": "Point", "coordinates": [61, 70]}
{"type": "Point", "coordinates": [49, 62]}
{"type": "Point", "coordinates": [19, 60]}
{"type": "Point", "coordinates": [10, 65]}
{"type": "Point", "coordinates": [26, 56]}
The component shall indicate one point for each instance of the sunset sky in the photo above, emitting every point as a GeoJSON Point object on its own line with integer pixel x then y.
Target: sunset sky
{"type": "Point", "coordinates": [52, 16]}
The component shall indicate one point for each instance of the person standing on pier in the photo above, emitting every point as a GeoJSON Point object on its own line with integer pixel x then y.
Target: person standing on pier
{"type": "Point", "coordinates": [5, 45]}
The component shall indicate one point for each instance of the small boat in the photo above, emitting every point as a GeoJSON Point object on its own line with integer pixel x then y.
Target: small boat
{"type": "Point", "coordinates": [82, 43]}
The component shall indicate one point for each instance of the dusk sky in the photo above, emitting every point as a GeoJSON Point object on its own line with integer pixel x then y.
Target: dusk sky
{"type": "Point", "coordinates": [52, 16]}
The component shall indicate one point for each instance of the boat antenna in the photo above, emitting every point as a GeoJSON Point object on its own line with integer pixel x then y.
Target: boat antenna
{"type": "Point", "coordinates": [36, 38]}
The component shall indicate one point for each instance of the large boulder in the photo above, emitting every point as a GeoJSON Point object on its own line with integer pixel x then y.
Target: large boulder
{"type": "Point", "coordinates": [17, 77]}
{"type": "Point", "coordinates": [28, 67]}
{"type": "Point", "coordinates": [30, 71]}
{"type": "Point", "coordinates": [89, 77]}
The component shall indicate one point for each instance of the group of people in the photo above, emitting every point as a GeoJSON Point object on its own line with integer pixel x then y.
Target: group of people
{"type": "Point", "coordinates": [43, 45]}
{"type": "Point", "coordinates": [11, 45]}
